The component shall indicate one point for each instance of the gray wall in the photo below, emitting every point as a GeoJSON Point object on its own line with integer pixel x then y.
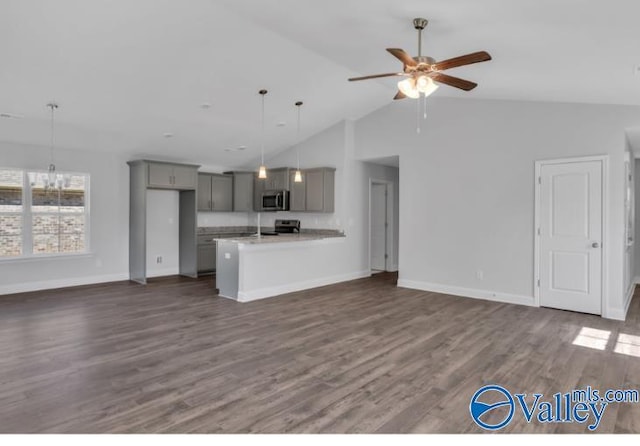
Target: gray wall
{"type": "Point", "coordinates": [467, 186]}
{"type": "Point", "coordinates": [636, 244]}
{"type": "Point", "coordinates": [109, 216]}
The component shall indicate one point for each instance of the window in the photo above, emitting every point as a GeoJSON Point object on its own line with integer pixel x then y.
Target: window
{"type": "Point", "coordinates": [35, 220]}
{"type": "Point", "coordinates": [11, 212]}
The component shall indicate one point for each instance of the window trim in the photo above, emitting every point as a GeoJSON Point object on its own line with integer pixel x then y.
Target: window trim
{"type": "Point", "coordinates": [27, 219]}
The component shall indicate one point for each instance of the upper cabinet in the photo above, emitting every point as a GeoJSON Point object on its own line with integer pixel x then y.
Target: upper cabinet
{"type": "Point", "coordinates": [243, 191]}
{"type": "Point", "coordinates": [297, 194]}
{"type": "Point", "coordinates": [184, 177]}
{"type": "Point", "coordinates": [277, 179]}
{"type": "Point", "coordinates": [316, 191]}
{"type": "Point", "coordinates": [171, 176]}
{"type": "Point", "coordinates": [319, 189]}
{"type": "Point", "coordinates": [215, 192]}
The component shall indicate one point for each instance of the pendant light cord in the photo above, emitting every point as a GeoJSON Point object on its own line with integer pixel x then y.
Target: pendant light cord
{"type": "Point", "coordinates": [52, 106]}
{"type": "Point", "coordinates": [262, 92]}
{"type": "Point", "coordinates": [52, 135]}
{"type": "Point", "coordinates": [298, 104]}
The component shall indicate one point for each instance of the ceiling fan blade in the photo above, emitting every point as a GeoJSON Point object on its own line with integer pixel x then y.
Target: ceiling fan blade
{"type": "Point", "coordinates": [453, 81]}
{"type": "Point", "coordinates": [403, 56]}
{"type": "Point", "coordinates": [467, 59]}
{"type": "Point", "coordinates": [399, 95]}
{"type": "Point", "coordinates": [374, 76]}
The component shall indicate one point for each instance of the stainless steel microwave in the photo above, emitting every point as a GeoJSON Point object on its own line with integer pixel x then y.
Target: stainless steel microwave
{"type": "Point", "coordinates": [275, 200]}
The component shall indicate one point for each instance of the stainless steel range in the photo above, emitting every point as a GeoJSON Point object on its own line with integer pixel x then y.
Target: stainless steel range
{"type": "Point", "coordinates": [287, 226]}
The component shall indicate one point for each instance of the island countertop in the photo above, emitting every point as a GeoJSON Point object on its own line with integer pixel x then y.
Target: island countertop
{"type": "Point", "coordinates": [280, 238]}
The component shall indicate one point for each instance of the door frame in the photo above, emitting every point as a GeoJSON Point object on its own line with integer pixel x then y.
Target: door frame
{"type": "Point", "coordinates": [389, 229]}
{"type": "Point", "coordinates": [604, 159]}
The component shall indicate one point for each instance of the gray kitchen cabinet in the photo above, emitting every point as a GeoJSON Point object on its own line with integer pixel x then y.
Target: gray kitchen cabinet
{"type": "Point", "coordinates": [221, 193]}
{"type": "Point", "coordinates": [206, 258]}
{"type": "Point", "coordinates": [160, 175]}
{"type": "Point", "coordinates": [277, 179]}
{"type": "Point", "coordinates": [145, 175]}
{"type": "Point", "coordinates": [319, 189]}
{"type": "Point", "coordinates": [171, 176]}
{"type": "Point", "coordinates": [215, 192]}
{"type": "Point", "coordinates": [184, 177]}
{"type": "Point", "coordinates": [204, 192]}
{"type": "Point", "coordinates": [297, 193]}
{"type": "Point", "coordinates": [259, 186]}
{"type": "Point", "coordinates": [243, 191]}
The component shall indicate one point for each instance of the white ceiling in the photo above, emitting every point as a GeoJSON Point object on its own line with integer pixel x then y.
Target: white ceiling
{"type": "Point", "coordinates": [126, 72]}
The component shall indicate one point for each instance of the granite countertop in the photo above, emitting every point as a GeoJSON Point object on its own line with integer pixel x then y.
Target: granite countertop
{"type": "Point", "coordinates": [247, 234]}
{"type": "Point", "coordinates": [281, 238]}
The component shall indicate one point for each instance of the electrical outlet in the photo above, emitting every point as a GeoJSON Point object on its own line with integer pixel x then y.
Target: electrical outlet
{"type": "Point", "coordinates": [159, 259]}
{"type": "Point", "coordinates": [480, 274]}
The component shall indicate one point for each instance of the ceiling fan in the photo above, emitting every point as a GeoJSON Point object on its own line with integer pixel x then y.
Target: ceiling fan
{"type": "Point", "coordinates": [422, 72]}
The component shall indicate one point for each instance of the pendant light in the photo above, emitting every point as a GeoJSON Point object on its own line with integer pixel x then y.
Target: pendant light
{"type": "Point", "coordinates": [51, 171]}
{"type": "Point", "coordinates": [52, 179]}
{"type": "Point", "coordinates": [297, 177]}
{"type": "Point", "coordinates": [262, 171]}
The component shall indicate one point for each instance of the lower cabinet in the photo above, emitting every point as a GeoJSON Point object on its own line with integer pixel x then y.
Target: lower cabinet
{"type": "Point", "coordinates": [207, 258]}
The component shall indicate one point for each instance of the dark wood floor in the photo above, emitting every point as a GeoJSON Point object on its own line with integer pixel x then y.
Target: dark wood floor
{"type": "Point", "coordinates": [362, 356]}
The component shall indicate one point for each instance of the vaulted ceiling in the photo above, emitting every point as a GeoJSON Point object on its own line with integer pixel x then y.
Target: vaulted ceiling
{"type": "Point", "coordinates": [127, 72]}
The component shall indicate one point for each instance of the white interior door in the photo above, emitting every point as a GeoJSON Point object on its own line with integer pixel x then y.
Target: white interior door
{"type": "Point", "coordinates": [378, 226]}
{"type": "Point", "coordinates": [571, 236]}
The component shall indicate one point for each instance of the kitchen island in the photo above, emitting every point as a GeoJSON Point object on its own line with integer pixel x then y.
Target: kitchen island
{"type": "Point", "coordinates": [251, 268]}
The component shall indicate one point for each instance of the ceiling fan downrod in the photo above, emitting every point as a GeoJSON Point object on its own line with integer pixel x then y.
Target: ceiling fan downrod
{"type": "Point", "coordinates": [420, 24]}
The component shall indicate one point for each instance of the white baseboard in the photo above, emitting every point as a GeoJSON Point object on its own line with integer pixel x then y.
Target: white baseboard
{"type": "Point", "coordinates": [620, 314]}
{"type": "Point", "coordinates": [60, 283]}
{"type": "Point", "coordinates": [248, 296]}
{"type": "Point", "coordinates": [468, 292]}
{"type": "Point", "coordinates": [617, 314]}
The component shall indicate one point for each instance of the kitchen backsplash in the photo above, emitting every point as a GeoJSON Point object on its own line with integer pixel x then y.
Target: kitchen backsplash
{"type": "Point", "coordinates": [307, 220]}
{"type": "Point", "coordinates": [223, 219]}
{"type": "Point", "coordinates": [267, 219]}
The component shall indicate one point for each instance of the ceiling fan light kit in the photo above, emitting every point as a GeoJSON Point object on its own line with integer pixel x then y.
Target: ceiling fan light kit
{"type": "Point", "coordinates": [422, 72]}
{"type": "Point", "coordinates": [412, 87]}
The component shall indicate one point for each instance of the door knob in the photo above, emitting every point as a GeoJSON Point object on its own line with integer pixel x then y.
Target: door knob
{"type": "Point", "coordinates": [595, 245]}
